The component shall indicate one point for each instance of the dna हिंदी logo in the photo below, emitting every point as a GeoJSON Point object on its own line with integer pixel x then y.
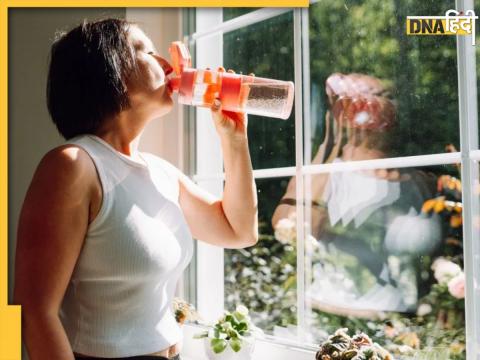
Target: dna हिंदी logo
{"type": "Point", "coordinates": [453, 23]}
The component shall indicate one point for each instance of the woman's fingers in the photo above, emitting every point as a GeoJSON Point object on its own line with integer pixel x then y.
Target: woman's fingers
{"type": "Point", "coordinates": [216, 105]}
{"type": "Point", "coordinates": [233, 115]}
{"type": "Point", "coordinates": [230, 71]}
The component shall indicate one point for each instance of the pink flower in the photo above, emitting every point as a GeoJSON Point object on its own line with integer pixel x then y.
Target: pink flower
{"type": "Point", "coordinates": [456, 286]}
{"type": "Point", "coordinates": [445, 270]}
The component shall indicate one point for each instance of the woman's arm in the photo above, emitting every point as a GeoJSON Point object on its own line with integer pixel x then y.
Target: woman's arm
{"type": "Point", "coordinates": [230, 222]}
{"type": "Point", "coordinates": [52, 227]}
{"type": "Point", "coordinates": [287, 205]}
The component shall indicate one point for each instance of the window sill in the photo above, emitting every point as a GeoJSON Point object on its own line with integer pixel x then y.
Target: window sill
{"type": "Point", "coordinates": [192, 349]}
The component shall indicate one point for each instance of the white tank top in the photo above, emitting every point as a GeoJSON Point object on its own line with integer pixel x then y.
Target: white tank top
{"type": "Point", "coordinates": [118, 302]}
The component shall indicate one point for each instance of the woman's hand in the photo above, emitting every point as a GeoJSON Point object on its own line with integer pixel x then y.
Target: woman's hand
{"type": "Point", "coordinates": [230, 125]}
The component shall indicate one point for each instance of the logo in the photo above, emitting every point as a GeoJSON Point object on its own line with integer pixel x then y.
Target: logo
{"type": "Point", "coordinates": [453, 23]}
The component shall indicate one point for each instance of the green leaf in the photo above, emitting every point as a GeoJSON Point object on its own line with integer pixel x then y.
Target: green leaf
{"type": "Point", "coordinates": [290, 282]}
{"type": "Point", "coordinates": [242, 326]}
{"type": "Point", "coordinates": [236, 344]}
{"type": "Point", "coordinates": [218, 345]}
{"type": "Point", "coordinates": [232, 320]}
{"type": "Point", "coordinates": [232, 333]}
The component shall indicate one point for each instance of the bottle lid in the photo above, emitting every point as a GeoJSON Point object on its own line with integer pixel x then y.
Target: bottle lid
{"type": "Point", "coordinates": [180, 56]}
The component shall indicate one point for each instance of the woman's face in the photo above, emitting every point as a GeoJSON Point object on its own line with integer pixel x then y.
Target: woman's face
{"type": "Point", "coordinates": [147, 89]}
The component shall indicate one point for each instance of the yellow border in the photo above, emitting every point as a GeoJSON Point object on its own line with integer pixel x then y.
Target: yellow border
{"type": "Point", "coordinates": [156, 3]}
{"type": "Point", "coordinates": [10, 316]}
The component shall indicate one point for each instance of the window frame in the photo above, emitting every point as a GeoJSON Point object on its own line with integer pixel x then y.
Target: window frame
{"type": "Point", "coordinates": [469, 157]}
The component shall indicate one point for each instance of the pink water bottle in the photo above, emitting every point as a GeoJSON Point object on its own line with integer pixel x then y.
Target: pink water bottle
{"type": "Point", "coordinates": [238, 93]}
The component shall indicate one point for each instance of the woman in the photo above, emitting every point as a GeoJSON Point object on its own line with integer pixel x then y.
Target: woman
{"type": "Point", "coordinates": [371, 235]}
{"type": "Point", "coordinates": [105, 230]}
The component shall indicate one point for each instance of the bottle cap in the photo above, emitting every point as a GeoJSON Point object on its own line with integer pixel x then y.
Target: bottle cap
{"type": "Point", "coordinates": [180, 56]}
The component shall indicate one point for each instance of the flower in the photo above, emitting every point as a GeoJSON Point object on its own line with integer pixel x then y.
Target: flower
{"type": "Point", "coordinates": [424, 309]}
{"type": "Point", "coordinates": [241, 309]}
{"type": "Point", "coordinates": [390, 331]}
{"type": "Point", "coordinates": [285, 230]}
{"type": "Point", "coordinates": [457, 348]}
{"type": "Point", "coordinates": [456, 286]}
{"type": "Point", "coordinates": [411, 339]}
{"type": "Point", "coordinates": [445, 270]}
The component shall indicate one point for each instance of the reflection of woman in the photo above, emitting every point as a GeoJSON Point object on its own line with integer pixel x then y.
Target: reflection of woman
{"type": "Point", "coordinates": [369, 224]}
{"type": "Point", "coordinates": [106, 230]}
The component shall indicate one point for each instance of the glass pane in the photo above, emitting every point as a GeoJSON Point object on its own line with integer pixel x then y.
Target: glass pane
{"type": "Point", "coordinates": [263, 277]}
{"type": "Point", "coordinates": [266, 49]}
{"type": "Point", "coordinates": [376, 89]}
{"type": "Point", "coordinates": [384, 256]}
{"type": "Point", "coordinates": [230, 13]}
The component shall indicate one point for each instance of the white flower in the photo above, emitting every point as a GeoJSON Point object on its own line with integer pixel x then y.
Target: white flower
{"type": "Point", "coordinates": [445, 270]}
{"type": "Point", "coordinates": [424, 309]}
{"type": "Point", "coordinates": [242, 310]}
{"type": "Point", "coordinates": [285, 230]}
{"type": "Point", "coordinates": [311, 243]}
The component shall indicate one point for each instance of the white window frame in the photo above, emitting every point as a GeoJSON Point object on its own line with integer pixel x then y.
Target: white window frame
{"type": "Point", "coordinates": [210, 263]}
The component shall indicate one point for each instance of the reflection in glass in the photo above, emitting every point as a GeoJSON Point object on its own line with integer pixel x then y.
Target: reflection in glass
{"type": "Point", "coordinates": [384, 250]}
{"type": "Point", "coordinates": [368, 37]}
{"type": "Point", "coordinates": [360, 117]}
{"type": "Point", "coordinates": [372, 237]}
{"type": "Point", "coordinates": [384, 256]}
{"type": "Point", "coordinates": [263, 277]}
{"type": "Point", "coordinates": [266, 49]}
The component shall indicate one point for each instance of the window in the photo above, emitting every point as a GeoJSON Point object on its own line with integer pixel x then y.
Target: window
{"type": "Point", "coordinates": [362, 222]}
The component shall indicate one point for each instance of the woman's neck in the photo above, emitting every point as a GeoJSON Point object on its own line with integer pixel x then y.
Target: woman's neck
{"type": "Point", "coordinates": [123, 132]}
{"type": "Point", "coordinates": [362, 152]}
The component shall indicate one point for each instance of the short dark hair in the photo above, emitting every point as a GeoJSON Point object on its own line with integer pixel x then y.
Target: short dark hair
{"type": "Point", "coordinates": [89, 67]}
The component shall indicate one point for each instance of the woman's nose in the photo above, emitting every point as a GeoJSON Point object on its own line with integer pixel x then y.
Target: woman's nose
{"type": "Point", "coordinates": [167, 68]}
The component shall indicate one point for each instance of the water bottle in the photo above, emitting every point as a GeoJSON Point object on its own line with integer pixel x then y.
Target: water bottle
{"type": "Point", "coordinates": [237, 93]}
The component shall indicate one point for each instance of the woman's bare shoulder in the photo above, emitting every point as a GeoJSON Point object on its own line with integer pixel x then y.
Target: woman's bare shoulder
{"type": "Point", "coordinates": [66, 165]}
{"type": "Point", "coordinates": [68, 158]}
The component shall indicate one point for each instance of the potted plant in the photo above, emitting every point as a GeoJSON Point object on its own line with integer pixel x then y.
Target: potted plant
{"type": "Point", "coordinates": [340, 346]}
{"type": "Point", "coordinates": [232, 337]}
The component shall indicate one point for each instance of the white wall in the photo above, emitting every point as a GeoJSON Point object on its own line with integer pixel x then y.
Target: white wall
{"type": "Point", "coordinates": [162, 136]}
